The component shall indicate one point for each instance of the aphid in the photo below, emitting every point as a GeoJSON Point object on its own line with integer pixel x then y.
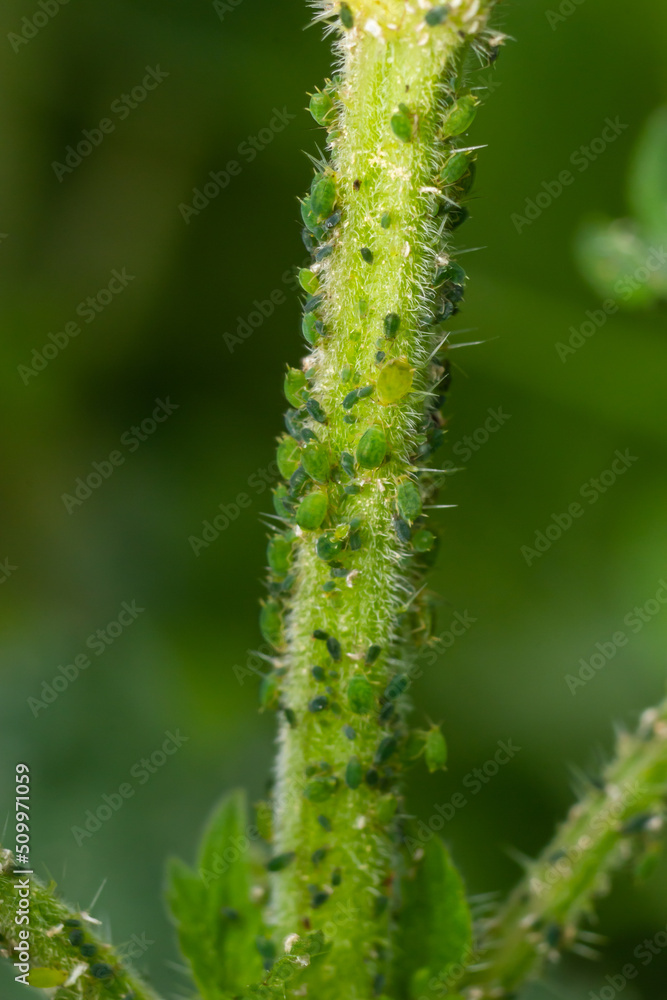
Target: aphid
{"type": "Point", "coordinates": [311, 328]}
{"type": "Point", "coordinates": [401, 124]}
{"type": "Point", "coordinates": [552, 935]}
{"type": "Point", "coordinates": [452, 274]}
{"type": "Point", "coordinates": [360, 695]}
{"type": "Point", "coordinates": [312, 303]}
{"type": "Point", "coordinates": [76, 937]}
{"type": "Point", "coordinates": [318, 704]}
{"type": "Point", "coordinates": [280, 861]}
{"type": "Point", "coordinates": [454, 168]}
{"type": "Point", "coordinates": [278, 554]}
{"type": "Point", "coordinates": [461, 115]}
{"type": "Point", "coordinates": [386, 712]}
{"type": "Point", "coordinates": [455, 216]}
{"type": "Point", "coordinates": [366, 391]}
{"type": "Point", "coordinates": [392, 321]}
{"type": "Point", "coordinates": [309, 240]}
{"type": "Point", "coordinates": [319, 634]}
{"type": "Point", "coordinates": [379, 357]}
{"type": "Point", "coordinates": [269, 690]}
{"type": "Point", "coordinates": [310, 219]}
{"type": "Point", "coordinates": [394, 381]}
{"type": "Point", "coordinates": [336, 877]}
{"type": "Point", "coordinates": [318, 673]}
{"type": "Point", "coordinates": [318, 856]}
{"type": "Point", "coordinates": [315, 461]}
{"type": "Point", "coordinates": [397, 686]}
{"type": "Point", "coordinates": [333, 649]}
{"type": "Point", "coordinates": [385, 221]}
{"type": "Point", "coordinates": [295, 383]}
{"type": "Point", "coordinates": [321, 107]}
{"type": "Point", "coordinates": [353, 773]}
{"type": "Point", "coordinates": [327, 549]}
{"type": "Point", "coordinates": [72, 923]}
{"type": "Point", "coordinates": [639, 823]}
{"type": "Point", "coordinates": [308, 280]}
{"type": "Point", "coordinates": [101, 970]}
{"type": "Point", "coordinates": [385, 750]}
{"type": "Point", "coordinates": [402, 529]}
{"type": "Point", "coordinates": [322, 196]}
{"type": "Point", "coordinates": [435, 750]}
{"type": "Point", "coordinates": [347, 462]}
{"type": "Point", "coordinates": [319, 898]}
{"type": "Point", "coordinates": [339, 572]}
{"type": "Point", "coordinates": [346, 18]}
{"type": "Point", "coordinates": [332, 220]}
{"type": "Point", "coordinates": [423, 540]}
{"type": "Point", "coordinates": [311, 511]}
{"type": "Point", "coordinates": [350, 732]}
{"type": "Point", "coordinates": [371, 777]}
{"type": "Point", "coordinates": [266, 949]}
{"type": "Point", "coordinates": [409, 501]}
{"type": "Point", "coordinates": [366, 255]}
{"type": "Point", "coordinates": [320, 789]}
{"type": "Point", "coordinates": [316, 411]}
{"type": "Point", "coordinates": [229, 913]}
{"type": "Point", "coordinates": [345, 373]}
{"type": "Point", "coordinates": [356, 184]}
{"type": "Point", "coordinates": [372, 448]}
{"type": "Point", "coordinates": [349, 418]}
{"type": "Point", "coordinates": [437, 15]}
{"type": "Point", "coordinates": [355, 541]}
{"type": "Point", "coordinates": [271, 623]}
{"type": "Point", "coordinates": [298, 480]}
{"type": "Point", "coordinates": [350, 399]}
{"type": "Point", "coordinates": [290, 715]}
{"type": "Point", "coordinates": [88, 950]}
{"type": "Point", "coordinates": [323, 252]}
{"type": "Point", "coordinates": [372, 654]}
{"type": "Point", "coordinates": [325, 823]}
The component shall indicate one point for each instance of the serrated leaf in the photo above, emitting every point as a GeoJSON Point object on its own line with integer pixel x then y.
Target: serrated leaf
{"type": "Point", "coordinates": [434, 923]}
{"type": "Point", "coordinates": [216, 921]}
{"type": "Point", "coordinates": [647, 188]}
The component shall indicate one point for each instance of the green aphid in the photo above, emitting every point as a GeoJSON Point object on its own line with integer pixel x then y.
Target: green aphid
{"type": "Point", "coordinates": [454, 168]}
{"type": "Point", "coordinates": [366, 391]}
{"type": "Point", "coordinates": [266, 949]}
{"type": "Point", "coordinates": [355, 541]}
{"type": "Point", "coordinates": [397, 686]}
{"type": "Point", "coordinates": [311, 328]}
{"type": "Point", "coordinates": [318, 704]}
{"type": "Point", "coordinates": [437, 15]}
{"type": "Point", "coordinates": [318, 673]}
{"type": "Point", "coordinates": [327, 549]}
{"type": "Point", "coordinates": [336, 877]}
{"type": "Point", "coordinates": [386, 808]}
{"type": "Point", "coordinates": [310, 219]}
{"type": "Point", "coordinates": [346, 17]}
{"type": "Point", "coordinates": [460, 116]}
{"type": "Point", "coordinates": [321, 107]}
{"type": "Point", "coordinates": [453, 273]}
{"type": "Point", "coordinates": [46, 979]}
{"type": "Point", "coordinates": [350, 399]}
{"type": "Point", "coordinates": [385, 750]}
{"type": "Point", "coordinates": [372, 777]}
{"type": "Point", "coordinates": [100, 970]}
{"type": "Point", "coordinates": [271, 623]}
{"type": "Point", "coordinates": [392, 322]}
{"type": "Point", "coordinates": [409, 501]}
{"type": "Point", "coordinates": [290, 715]}
{"type": "Point", "coordinates": [347, 462]}
{"type": "Point", "coordinates": [318, 856]}
{"type": "Point", "coordinates": [372, 654]}
{"type": "Point", "coordinates": [298, 481]}
{"type": "Point", "coordinates": [295, 383]}
{"type": "Point", "coordinates": [345, 373]}
{"type": "Point", "coordinates": [385, 221]}
{"type": "Point", "coordinates": [279, 554]}
{"type": "Point", "coordinates": [402, 529]}
{"type": "Point", "coordinates": [394, 381]}
{"type": "Point", "coordinates": [288, 457]}
{"type": "Point", "coordinates": [333, 649]}
{"type": "Point", "coordinates": [320, 634]}
{"type": "Point", "coordinates": [414, 745]}
{"type": "Point", "coordinates": [312, 304]}
{"type": "Point", "coordinates": [350, 732]}
{"type": "Point", "coordinates": [88, 950]}
{"type": "Point", "coordinates": [360, 695]}
{"type": "Point", "coordinates": [325, 823]}
{"type": "Point", "coordinates": [319, 897]}
{"type": "Point", "coordinates": [372, 448]}
{"type": "Point", "coordinates": [401, 124]}
{"type": "Point", "coordinates": [366, 255]}
{"type": "Point", "coordinates": [320, 789]}
{"type": "Point", "coordinates": [308, 280]}
{"type": "Point", "coordinates": [435, 750]}
{"type": "Point", "coordinates": [311, 511]}
{"type": "Point", "coordinates": [322, 196]}
{"type": "Point", "coordinates": [423, 540]}
{"type": "Point", "coordinates": [280, 861]}
{"type": "Point", "coordinates": [315, 461]}
{"type": "Point", "coordinates": [316, 411]}
{"type": "Point", "coordinates": [354, 773]}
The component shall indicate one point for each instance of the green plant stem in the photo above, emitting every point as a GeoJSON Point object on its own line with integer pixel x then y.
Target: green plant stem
{"type": "Point", "coordinates": [99, 976]}
{"type": "Point", "coordinates": [609, 826]}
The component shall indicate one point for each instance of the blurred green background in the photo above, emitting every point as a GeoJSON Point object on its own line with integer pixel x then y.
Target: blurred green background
{"type": "Point", "coordinates": [229, 67]}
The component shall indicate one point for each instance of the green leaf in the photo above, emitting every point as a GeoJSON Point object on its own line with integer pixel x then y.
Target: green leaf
{"type": "Point", "coordinates": [647, 189]}
{"type": "Point", "coordinates": [434, 923]}
{"type": "Point", "coordinates": [619, 264]}
{"type": "Point", "coordinates": [216, 921]}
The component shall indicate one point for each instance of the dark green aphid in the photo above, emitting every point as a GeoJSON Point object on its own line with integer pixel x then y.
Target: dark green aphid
{"type": "Point", "coordinates": [318, 856]}
{"type": "Point", "coordinates": [290, 715]}
{"type": "Point", "coordinates": [379, 357]}
{"type": "Point", "coordinates": [347, 462]}
{"type": "Point", "coordinates": [310, 219]}
{"type": "Point", "coordinates": [345, 373]}
{"type": "Point", "coordinates": [319, 898]}
{"type": "Point", "coordinates": [295, 383]}
{"type": "Point", "coordinates": [372, 654]}
{"type": "Point", "coordinates": [278, 554]}
{"type": "Point", "coordinates": [332, 220]}
{"type": "Point", "coordinates": [353, 773]}
{"type": "Point", "coordinates": [454, 168]}
{"type": "Point", "coordinates": [336, 877]}
{"type": "Point", "coordinates": [397, 686]}
{"type": "Point", "coordinates": [367, 391]}
{"type": "Point", "coordinates": [385, 750]}
{"type": "Point", "coordinates": [316, 411]}
{"type": "Point", "coordinates": [333, 649]}
{"type": "Point", "coordinates": [350, 399]}
{"type": "Point", "coordinates": [327, 549]}
{"type": "Point", "coordinates": [360, 695]}
{"type": "Point", "coordinates": [409, 501]}
{"type": "Point", "coordinates": [437, 15]}
{"type": "Point", "coordinates": [461, 115]}
{"type": "Point", "coordinates": [321, 107]}
{"type": "Point", "coordinates": [308, 435]}
{"type": "Point", "coordinates": [101, 971]}
{"type": "Point", "coordinates": [385, 221]}
{"type": "Point", "coordinates": [88, 950]}
{"type": "Point", "coordinates": [319, 634]}
{"type": "Point", "coordinates": [311, 511]}
{"type": "Point", "coordinates": [72, 923]}
{"type": "Point", "coordinates": [372, 448]}
{"type": "Point", "coordinates": [455, 216]}
{"type": "Point", "coordinates": [423, 540]}
{"type": "Point", "coordinates": [298, 481]}
{"type": "Point", "coordinates": [315, 461]}
{"type": "Point", "coordinates": [371, 777]}
{"type": "Point", "coordinates": [281, 503]}
{"type": "Point", "coordinates": [320, 789]}
{"type": "Point", "coordinates": [266, 949]}
{"type": "Point", "coordinates": [352, 490]}
{"type": "Point", "coordinates": [280, 861]}
{"type": "Point", "coordinates": [312, 303]}
{"type": "Point", "coordinates": [386, 808]}
{"type": "Point", "coordinates": [322, 196]}
{"type": "Point", "coordinates": [380, 905]}
{"type": "Point", "coordinates": [401, 123]}
{"type": "Point", "coordinates": [453, 274]}
{"type": "Point", "coordinates": [354, 541]}
{"type": "Point", "coordinates": [349, 418]}
{"type": "Point", "coordinates": [325, 823]}
{"type": "Point", "coordinates": [76, 937]}
{"type": "Point", "coordinates": [318, 673]}
{"type": "Point", "coordinates": [392, 321]}
{"type": "Point", "coordinates": [403, 529]}
{"type": "Point", "coordinates": [553, 934]}
{"type": "Point", "coordinates": [350, 732]}
{"type": "Point", "coordinates": [308, 280]}
{"type": "Point", "coordinates": [229, 913]}
{"type": "Point", "coordinates": [309, 241]}
{"type": "Point", "coordinates": [271, 624]}
{"type": "Point", "coordinates": [339, 572]}
{"type": "Point", "coordinates": [311, 328]}
{"type": "Point", "coordinates": [386, 712]}
{"type": "Point", "coordinates": [435, 750]}
{"type": "Point", "coordinates": [366, 255]}
{"type": "Point", "coordinates": [346, 18]}
{"type": "Point", "coordinates": [638, 823]}
{"type": "Point", "coordinates": [318, 704]}
{"type": "Point", "coordinates": [323, 252]}
{"type": "Point", "coordinates": [269, 690]}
